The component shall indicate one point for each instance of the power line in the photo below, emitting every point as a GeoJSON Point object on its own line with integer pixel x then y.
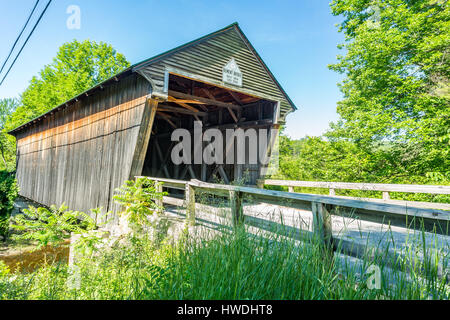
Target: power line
{"type": "Point", "coordinates": [18, 54]}
{"type": "Point", "coordinates": [20, 34]}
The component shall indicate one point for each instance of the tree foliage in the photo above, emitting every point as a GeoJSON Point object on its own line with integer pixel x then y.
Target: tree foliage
{"type": "Point", "coordinates": [7, 148]}
{"type": "Point", "coordinates": [77, 67]}
{"type": "Point", "coordinates": [8, 193]}
{"type": "Point", "coordinates": [52, 225]}
{"type": "Point", "coordinates": [139, 198]}
{"type": "Point", "coordinates": [396, 106]}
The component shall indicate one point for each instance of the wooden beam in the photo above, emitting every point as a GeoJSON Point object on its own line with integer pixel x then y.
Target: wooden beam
{"type": "Point", "coordinates": [191, 171]}
{"type": "Point", "coordinates": [164, 114]}
{"type": "Point", "coordinates": [182, 104]}
{"type": "Point", "coordinates": [235, 97]}
{"type": "Point", "coordinates": [167, 108]}
{"type": "Point", "coordinates": [173, 125]}
{"type": "Point", "coordinates": [223, 174]}
{"type": "Point", "coordinates": [161, 158]}
{"type": "Point", "coordinates": [211, 96]}
{"type": "Point", "coordinates": [205, 100]}
{"type": "Point", "coordinates": [208, 93]}
{"type": "Point", "coordinates": [233, 115]}
{"type": "Point", "coordinates": [145, 131]}
{"type": "Point", "coordinates": [172, 99]}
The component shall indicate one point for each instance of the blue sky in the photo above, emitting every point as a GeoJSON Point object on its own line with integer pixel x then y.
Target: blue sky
{"type": "Point", "coordinates": [297, 39]}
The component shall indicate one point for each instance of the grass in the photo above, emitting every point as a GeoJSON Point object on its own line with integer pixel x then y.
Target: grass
{"type": "Point", "coordinates": [231, 265]}
{"type": "Point", "coordinates": [243, 262]}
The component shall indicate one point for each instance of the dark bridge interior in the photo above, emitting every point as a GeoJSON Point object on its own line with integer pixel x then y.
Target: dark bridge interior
{"type": "Point", "coordinates": [190, 100]}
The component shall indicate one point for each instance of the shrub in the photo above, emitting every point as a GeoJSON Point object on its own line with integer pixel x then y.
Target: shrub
{"type": "Point", "coordinates": [53, 225]}
{"type": "Point", "coordinates": [8, 193]}
{"type": "Point", "coordinates": [140, 201]}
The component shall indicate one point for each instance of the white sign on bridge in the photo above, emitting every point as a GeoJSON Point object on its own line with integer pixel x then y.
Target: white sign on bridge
{"type": "Point", "coordinates": [232, 74]}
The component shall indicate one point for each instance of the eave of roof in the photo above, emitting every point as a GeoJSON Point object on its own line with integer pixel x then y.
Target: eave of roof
{"type": "Point", "coordinates": [154, 59]}
{"type": "Point", "coordinates": [68, 102]}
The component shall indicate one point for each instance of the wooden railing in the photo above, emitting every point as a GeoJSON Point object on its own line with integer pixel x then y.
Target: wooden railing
{"type": "Point", "coordinates": [332, 186]}
{"type": "Point", "coordinates": [322, 208]}
{"type": "Point", "coordinates": [381, 212]}
{"type": "Point", "coordinates": [384, 188]}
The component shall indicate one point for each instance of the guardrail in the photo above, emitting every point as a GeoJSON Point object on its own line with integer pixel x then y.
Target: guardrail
{"type": "Point", "coordinates": [402, 215]}
{"type": "Point", "coordinates": [384, 188]}
{"type": "Point", "coordinates": [332, 186]}
{"type": "Point", "coordinates": [322, 208]}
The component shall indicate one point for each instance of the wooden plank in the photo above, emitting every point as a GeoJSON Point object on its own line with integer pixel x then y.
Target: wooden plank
{"type": "Point", "coordinates": [170, 183]}
{"type": "Point", "coordinates": [372, 211]}
{"type": "Point", "coordinates": [408, 188]}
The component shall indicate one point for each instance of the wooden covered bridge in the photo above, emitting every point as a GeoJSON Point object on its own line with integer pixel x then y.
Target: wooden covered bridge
{"type": "Point", "coordinates": [80, 151]}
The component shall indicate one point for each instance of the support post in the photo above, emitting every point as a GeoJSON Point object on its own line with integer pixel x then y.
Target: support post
{"type": "Point", "coordinates": [145, 131]}
{"type": "Point", "coordinates": [332, 192]}
{"type": "Point", "coordinates": [236, 208]}
{"type": "Point", "coordinates": [260, 183]}
{"type": "Point", "coordinates": [386, 196]}
{"type": "Point", "coordinates": [190, 204]}
{"type": "Point", "coordinates": [159, 202]}
{"type": "Point", "coordinates": [291, 189]}
{"type": "Point", "coordinates": [322, 227]}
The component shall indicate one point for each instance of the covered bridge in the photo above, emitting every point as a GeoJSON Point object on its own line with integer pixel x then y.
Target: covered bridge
{"type": "Point", "coordinates": [80, 151]}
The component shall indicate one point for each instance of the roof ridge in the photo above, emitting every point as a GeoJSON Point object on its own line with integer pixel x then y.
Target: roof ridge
{"type": "Point", "coordinates": [184, 45]}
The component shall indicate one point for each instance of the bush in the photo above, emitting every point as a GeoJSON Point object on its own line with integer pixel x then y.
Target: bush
{"type": "Point", "coordinates": [140, 200]}
{"type": "Point", "coordinates": [52, 225]}
{"type": "Point", "coordinates": [8, 193]}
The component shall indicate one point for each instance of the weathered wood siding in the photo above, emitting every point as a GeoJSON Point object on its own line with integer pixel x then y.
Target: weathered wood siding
{"type": "Point", "coordinates": [80, 154]}
{"type": "Point", "coordinates": [207, 58]}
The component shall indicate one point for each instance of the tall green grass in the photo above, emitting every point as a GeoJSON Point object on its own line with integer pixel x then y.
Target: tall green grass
{"type": "Point", "coordinates": [230, 265]}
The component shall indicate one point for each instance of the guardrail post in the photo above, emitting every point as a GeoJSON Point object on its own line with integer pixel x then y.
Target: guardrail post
{"type": "Point", "coordinates": [291, 189]}
{"type": "Point", "coordinates": [236, 207]}
{"type": "Point", "coordinates": [260, 184]}
{"type": "Point", "coordinates": [322, 227]}
{"type": "Point", "coordinates": [159, 202]}
{"type": "Point", "coordinates": [386, 195]}
{"type": "Point", "coordinates": [190, 204]}
{"type": "Point", "coordinates": [332, 192]}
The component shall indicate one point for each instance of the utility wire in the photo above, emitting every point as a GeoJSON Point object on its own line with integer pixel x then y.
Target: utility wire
{"type": "Point", "coordinates": [20, 34]}
{"type": "Point", "coordinates": [18, 54]}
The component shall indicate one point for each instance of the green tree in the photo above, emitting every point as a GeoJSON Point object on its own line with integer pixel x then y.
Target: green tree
{"type": "Point", "coordinates": [7, 107]}
{"type": "Point", "coordinates": [396, 105]}
{"type": "Point", "coordinates": [8, 193]}
{"type": "Point", "coordinates": [77, 67]}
